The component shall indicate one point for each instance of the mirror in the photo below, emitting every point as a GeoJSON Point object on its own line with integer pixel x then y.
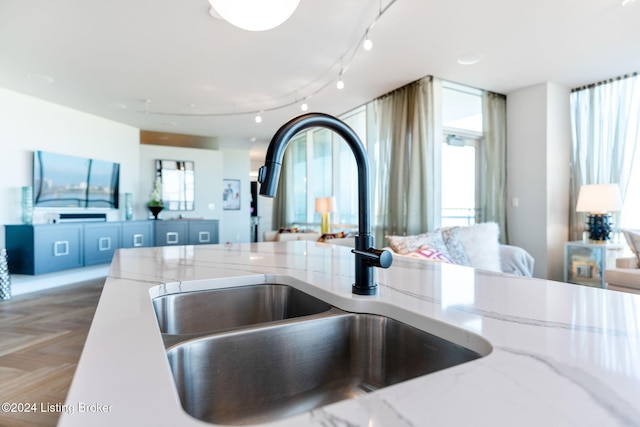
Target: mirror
{"type": "Point", "coordinates": [178, 184]}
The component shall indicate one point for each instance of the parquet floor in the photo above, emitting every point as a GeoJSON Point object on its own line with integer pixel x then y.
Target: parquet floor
{"type": "Point", "coordinates": [41, 338]}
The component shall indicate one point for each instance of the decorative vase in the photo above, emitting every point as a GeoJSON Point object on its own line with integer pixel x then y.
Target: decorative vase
{"type": "Point", "coordinates": [128, 206]}
{"type": "Point", "coordinates": [5, 277]}
{"type": "Point", "coordinates": [155, 210]}
{"type": "Point", "coordinates": [27, 205]}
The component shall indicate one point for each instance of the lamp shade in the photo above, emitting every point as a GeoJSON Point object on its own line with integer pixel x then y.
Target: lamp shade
{"type": "Point", "coordinates": [599, 198]}
{"type": "Point", "coordinates": [255, 15]}
{"type": "Point", "coordinates": [325, 204]}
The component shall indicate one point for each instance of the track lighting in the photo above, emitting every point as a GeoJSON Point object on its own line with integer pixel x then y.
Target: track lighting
{"type": "Point", "coordinates": [368, 44]}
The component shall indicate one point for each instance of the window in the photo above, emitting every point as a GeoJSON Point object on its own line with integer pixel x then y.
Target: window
{"type": "Point", "coordinates": [323, 165]}
{"type": "Point", "coordinates": [462, 125]}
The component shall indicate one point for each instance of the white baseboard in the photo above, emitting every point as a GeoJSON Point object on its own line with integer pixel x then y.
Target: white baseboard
{"type": "Point", "coordinates": [24, 284]}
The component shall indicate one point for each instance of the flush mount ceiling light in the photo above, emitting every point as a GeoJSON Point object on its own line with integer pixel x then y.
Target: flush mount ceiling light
{"type": "Point", "coordinates": [254, 15]}
{"type": "Point", "coordinates": [470, 59]}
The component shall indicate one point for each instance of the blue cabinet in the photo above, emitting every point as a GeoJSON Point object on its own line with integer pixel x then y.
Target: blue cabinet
{"type": "Point", "coordinates": [45, 248]}
{"type": "Point", "coordinates": [186, 232]}
{"type": "Point", "coordinates": [137, 234]}
{"type": "Point", "coordinates": [100, 242]}
{"type": "Point", "coordinates": [38, 249]}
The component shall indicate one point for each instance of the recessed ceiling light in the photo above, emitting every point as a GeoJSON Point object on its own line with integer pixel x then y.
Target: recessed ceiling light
{"type": "Point", "coordinates": [40, 78]}
{"type": "Point", "coordinates": [117, 106]}
{"type": "Point", "coordinates": [470, 59]}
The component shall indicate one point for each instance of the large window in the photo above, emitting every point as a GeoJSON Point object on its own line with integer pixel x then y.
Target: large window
{"type": "Point", "coordinates": [462, 125]}
{"type": "Point", "coordinates": [324, 166]}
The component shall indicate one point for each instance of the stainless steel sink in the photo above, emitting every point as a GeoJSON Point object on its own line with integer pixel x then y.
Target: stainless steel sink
{"type": "Point", "coordinates": [266, 373]}
{"type": "Point", "coordinates": [223, 309]}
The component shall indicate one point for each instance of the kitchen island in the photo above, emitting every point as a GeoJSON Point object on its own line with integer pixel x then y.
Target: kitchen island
{"type": "Point", "coordinates": [555, 354]}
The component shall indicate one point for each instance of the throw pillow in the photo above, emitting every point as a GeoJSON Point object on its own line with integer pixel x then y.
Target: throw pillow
{"type": "Point", "coordinates": [451, 237]}
{"type": "Point", "coordinates": [633, 240]}
{"type": "Point", "coordinates": [481, 245]}
{"type": "Point", "coordinates": [431, 254]}
{"type": "Point", "coordinates": [407, 244]}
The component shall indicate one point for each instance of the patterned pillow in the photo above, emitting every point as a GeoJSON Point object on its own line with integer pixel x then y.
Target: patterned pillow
{"type": "Point", "coordinates": [431, 254]}
{"type": "Point", "coordinates": [633, 240]}
{"type": "Point", "coordinates": [451, 237]}
{"type": "Point", "coordinates": [407, 244]}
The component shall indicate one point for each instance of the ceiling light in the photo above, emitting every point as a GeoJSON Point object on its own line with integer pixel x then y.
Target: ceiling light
{"type": "Point", "coordinates": [258, 118]}
{"type": "Point", "coordinates": [368, 44]}
{"type": "Point", "coordinates": [304, 106]}
{"type": "Point", "coordinates": [40, 78]}
{"type": "Point", "coordinates": [470, 59]}
{"type": "Point", "coordinates": [254, 15]}
{"type": "Point", "coordinates": [340, 84]}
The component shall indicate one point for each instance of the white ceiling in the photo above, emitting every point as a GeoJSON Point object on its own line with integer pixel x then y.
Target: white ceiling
{"type": "Point", "coordinates": [108, 57]}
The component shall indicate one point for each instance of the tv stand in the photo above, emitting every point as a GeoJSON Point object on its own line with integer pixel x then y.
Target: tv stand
{"type": "Point", "coordinates": [46, 248]}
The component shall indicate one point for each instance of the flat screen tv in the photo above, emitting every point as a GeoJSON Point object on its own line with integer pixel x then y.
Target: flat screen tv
{"type": "Point", "coordinates": [64, 181]}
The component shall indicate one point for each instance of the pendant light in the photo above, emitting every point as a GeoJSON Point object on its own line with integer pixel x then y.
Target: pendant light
{"type": "Point", "coordinates": [254, 15]}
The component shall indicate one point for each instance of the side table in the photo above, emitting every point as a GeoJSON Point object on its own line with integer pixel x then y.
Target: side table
{"type": "Point", "coordinates": [585, 263]}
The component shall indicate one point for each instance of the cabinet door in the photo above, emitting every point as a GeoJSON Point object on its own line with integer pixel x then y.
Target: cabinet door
{"type": "Point", "coordinates": [100, 243]}
{"type": "Point", "coordinates": [170, 233]}
{"type": "Point", "coordinates": [137, 234]}
{"type": "Point", "coordinates": [203, 232]}
{"type": "Point", "coordinates": [57, 247]}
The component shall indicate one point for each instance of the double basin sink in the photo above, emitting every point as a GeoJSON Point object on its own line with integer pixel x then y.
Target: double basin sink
{"type": "Point", "coordinates": [255, 354]}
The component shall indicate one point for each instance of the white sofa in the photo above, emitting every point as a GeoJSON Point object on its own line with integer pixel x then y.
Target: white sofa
{"type": "Point", "coordinates": [476, 246]}
{"type": "Point", "coordinates": [625, 277]}
{"type": "Point", "coordinates": [277, 236]}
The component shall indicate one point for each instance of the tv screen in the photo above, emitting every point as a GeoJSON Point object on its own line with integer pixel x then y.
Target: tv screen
{"type": "Point", "coordinates": [64, 181]}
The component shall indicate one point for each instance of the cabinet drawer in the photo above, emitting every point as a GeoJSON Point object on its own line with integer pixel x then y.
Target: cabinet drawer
{"type": "Point", "coordinates": [100, 243]}
{"type": "Point", "coordinates": [137, 234]}
{"type": "Point", "coordinates": [170, 233]}
{"type": "Point", "coordinates": [203, 232]}
{"type": "Point", "coordinates": [57, 247]}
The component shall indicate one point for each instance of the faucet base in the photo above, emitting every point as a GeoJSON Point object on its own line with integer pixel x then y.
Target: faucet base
{"type": "Point", "coordinates": [373, 290]}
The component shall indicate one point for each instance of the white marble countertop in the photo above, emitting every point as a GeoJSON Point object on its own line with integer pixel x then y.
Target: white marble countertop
{"type": "Point", "coordinates": [557, 354]}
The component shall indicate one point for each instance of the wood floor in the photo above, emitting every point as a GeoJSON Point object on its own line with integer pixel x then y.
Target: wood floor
{"type": "Point", "coordinates": [41, 338]}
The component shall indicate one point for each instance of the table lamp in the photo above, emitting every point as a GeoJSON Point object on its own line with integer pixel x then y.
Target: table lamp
{"type": "Point", "coordinates": [325, 205]}
{"type": "Point", "coordinates": [598, 201]}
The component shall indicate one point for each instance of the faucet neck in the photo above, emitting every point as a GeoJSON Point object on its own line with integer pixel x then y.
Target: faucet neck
{"type": "Point", "coordinates": [275, 155]}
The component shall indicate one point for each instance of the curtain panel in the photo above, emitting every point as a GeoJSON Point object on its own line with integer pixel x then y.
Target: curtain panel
{"type": "Point", "coordinates": [406, 162]}
{"type": "Point", "coordinates": [604, 135]}
{"type": "Point", "coordinates": [493, 194]}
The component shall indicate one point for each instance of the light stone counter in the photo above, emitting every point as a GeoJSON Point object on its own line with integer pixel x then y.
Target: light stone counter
{"type": "Point", "coordinates": [556, 354]}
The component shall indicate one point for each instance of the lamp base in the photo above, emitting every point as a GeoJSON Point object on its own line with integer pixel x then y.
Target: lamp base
{"type": "Point", "coordinates": [599, 227]}
{"type": "Point", "coordinates": [325, 226]}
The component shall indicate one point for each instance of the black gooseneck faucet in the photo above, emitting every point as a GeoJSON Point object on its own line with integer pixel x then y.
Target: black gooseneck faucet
{"type": "Point", "coordinates": [367, 257]}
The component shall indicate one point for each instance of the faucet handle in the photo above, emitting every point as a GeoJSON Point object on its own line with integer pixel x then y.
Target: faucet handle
{"type": "Point", "coordinates": [381, 258]}
{"type": "Point", "coordinates": [262, 173]}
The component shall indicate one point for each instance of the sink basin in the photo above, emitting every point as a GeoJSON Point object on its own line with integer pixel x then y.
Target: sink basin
{"type": "Point", "coordinates": [223, 309]}
{"type": "Point", "coordinates": [263, 374]}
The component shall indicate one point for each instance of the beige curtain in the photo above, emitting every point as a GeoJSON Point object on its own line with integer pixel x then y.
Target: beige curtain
{"type": "Point", "coordinates": [283, 208]}
{"type": "Point", "coordinates": [406, 162]}
{"type": "Point", "coordinates": [493, 195]}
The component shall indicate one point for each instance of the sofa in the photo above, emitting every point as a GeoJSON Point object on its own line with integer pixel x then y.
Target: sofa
{"type": "Point", "coordinates": [475, 246]}
{"type": "Point", "coordinates": [626, 276]}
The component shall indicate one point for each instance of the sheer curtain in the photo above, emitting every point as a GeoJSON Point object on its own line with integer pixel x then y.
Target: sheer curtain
{"type": "Point", "coordinates": [406, 161]}
{"type": "Point", "coordinates": [604, 131]}
{"type": "Point", "coordinates": [493, 194]}
{"type": "Point", "coordinates": [283, 203]}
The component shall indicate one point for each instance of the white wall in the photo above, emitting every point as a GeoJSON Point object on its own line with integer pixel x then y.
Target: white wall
{"type": "Point", "coordinates": [29, 124]}
{"type": "Point", "coordinates": [538, 174]}
{"type": "Point", "coordinates": [208, 181]}
{"type": "Point", "coordinates": [237, 223]}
